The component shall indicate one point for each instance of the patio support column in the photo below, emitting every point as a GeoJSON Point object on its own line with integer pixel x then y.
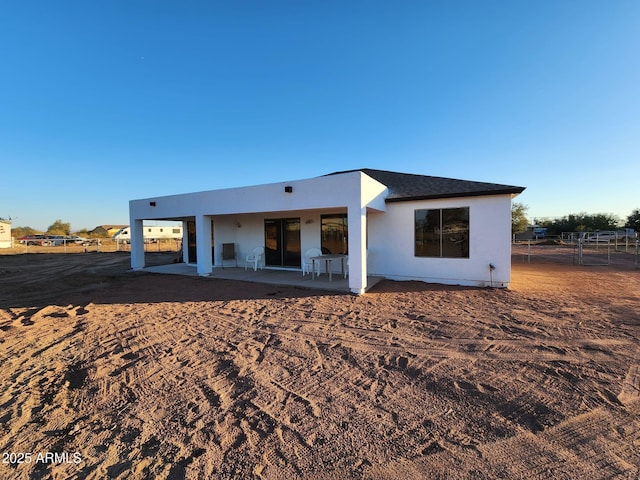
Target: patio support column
{"type": "Point", "coordinates": [203, 245]}
{"type": "Point", "coordinates": [137, 244]}
{"type": "Point", "coordinates": [357, 220]}
{"type": "Point", "coordinates": [185, 241]}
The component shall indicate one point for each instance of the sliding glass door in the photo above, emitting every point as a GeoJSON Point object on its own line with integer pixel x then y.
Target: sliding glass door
{"type": "Point", "coordinates": [282, 242]}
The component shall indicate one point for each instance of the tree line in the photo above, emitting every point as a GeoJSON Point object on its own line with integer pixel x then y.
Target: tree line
{"type": "Point", "coordinates": [56, 228]}
{"type": "Point", "coordinates": [574, 222]}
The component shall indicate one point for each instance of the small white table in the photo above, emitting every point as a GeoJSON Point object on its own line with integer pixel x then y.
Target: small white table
{"type": "Point", "coordinates": [328, 259]}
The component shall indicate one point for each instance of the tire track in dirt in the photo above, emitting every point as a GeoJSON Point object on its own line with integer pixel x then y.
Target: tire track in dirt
{"type": "Point", "coordinates": [49, 373]}
{"type": "Point", "coordinates": [630, 392]}
{"type": "Point", "coordinates": [295, 385]}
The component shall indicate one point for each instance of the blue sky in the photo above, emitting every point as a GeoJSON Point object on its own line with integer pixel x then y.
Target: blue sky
{"type": "Point", "coordinates": [106, 101]}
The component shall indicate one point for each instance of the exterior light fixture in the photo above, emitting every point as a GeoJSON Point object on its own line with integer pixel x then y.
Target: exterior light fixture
{"type": "Point", "coordinates": [153, 204]}
{"type": "Point", "coordinates": [288, 189]}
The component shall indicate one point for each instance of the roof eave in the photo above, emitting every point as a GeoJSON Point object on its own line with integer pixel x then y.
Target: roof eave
{"type": "Point", "coordinates": [510, 191]}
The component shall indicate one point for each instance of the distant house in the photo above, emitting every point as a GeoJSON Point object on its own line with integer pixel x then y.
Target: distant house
{"type": "Point", "coordinates": [105, 231]}
{"type": "Point", "coordinates": [5, 234]}
{"type": "Point", "coordinates": [396, 225]}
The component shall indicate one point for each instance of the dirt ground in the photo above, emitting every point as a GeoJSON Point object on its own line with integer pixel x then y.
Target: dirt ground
{"type": "Point", "coordinates": [108, 373]}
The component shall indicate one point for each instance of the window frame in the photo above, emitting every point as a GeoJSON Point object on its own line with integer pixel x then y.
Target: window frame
{"type": "Point", "coordinates": [455, 220]}
{"type": "Point", "coordinates": [344, 232]}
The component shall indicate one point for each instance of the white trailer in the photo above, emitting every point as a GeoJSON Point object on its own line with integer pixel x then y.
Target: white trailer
{"type": "Point", "coordinates": [151, 234]}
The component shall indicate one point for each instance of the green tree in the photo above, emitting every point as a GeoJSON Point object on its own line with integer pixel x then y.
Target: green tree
{"type": "Point", "coordinates": [19, 232]}
{"type": "Point", "coordinates": [633, 220]}
{"type": "Point", "coordinates": [519, 219]}
{"type": "Point", "coordinates": [602, 221]}
{"type": "Point", "coordinates": [59, 228]}
{"type": "Point", "coordinates": [581, 222]}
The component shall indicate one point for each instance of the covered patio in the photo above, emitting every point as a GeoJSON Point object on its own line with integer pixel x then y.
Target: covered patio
{"type": "Point", "coordinates": [269, 276]}
{"type": "Point", "coordinates": [286, 219]}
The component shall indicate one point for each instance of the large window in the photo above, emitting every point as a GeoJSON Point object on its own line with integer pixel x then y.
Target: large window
{"type": "Point", "coordinates": [442, 232]}
{"type": "Point", "coordinates": [334, 234]}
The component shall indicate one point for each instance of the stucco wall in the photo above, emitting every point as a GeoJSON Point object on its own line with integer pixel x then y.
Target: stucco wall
{"type": "Point", "coordinates": [316, 193]}
{"type": "Point", "coordinates": [391, 243]}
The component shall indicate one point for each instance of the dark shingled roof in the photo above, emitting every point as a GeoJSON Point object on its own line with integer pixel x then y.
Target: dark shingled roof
{"type": "Point", "coordinates": [407, 186]}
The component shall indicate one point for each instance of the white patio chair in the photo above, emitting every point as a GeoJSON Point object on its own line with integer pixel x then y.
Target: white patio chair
{"type": "Point", "coordinates": [346, 264]}
{"type": "Point", "coordinates": [255, 258]}
{"type": "Point", "coordinates": [307, 263]}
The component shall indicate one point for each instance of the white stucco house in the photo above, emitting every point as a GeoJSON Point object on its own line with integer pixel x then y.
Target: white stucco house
{"type": "Point", "coordinates": [395, 225]}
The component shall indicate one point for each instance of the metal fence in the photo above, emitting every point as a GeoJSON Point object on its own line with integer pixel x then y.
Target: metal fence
{"type": "Point", "coordinates": [626, 241]}
{"type": "Point", "coordinates": [578, 252]}
{"type": "Point", "coordinates": [93, 245]}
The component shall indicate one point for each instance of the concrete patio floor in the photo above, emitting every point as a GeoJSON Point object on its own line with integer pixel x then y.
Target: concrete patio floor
{"type": "Point", "coordinates": [270, 276]}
